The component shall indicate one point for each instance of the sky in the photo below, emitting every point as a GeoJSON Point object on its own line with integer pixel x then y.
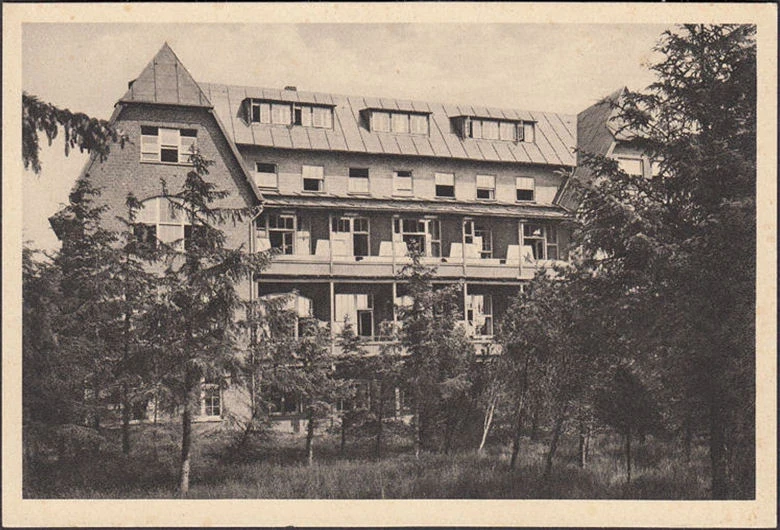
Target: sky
{"type": "Point", "coordinates": [550, 67]}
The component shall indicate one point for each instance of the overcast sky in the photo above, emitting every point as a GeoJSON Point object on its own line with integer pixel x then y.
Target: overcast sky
{"type": "Point", "coordinates": [550, 67]}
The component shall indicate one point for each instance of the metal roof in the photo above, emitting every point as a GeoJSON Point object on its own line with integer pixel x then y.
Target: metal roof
{"type": "Point", "coordinates": [556, 134]}
{"type": "Point", "coordinates": [415, 207]}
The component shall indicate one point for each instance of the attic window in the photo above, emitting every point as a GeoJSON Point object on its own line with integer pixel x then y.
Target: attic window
{"type": "Point", "coordinates": [174, 146]}
{"type": "Point", "coordinates": [397, 122]}
{"type": "Point", "coordinates": [494, 129]}
{"type": "Point", "coordinates": [287, 113]}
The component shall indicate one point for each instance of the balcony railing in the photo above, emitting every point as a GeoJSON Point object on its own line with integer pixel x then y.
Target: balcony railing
{"type": "Point", "coordinates": [331, 258]}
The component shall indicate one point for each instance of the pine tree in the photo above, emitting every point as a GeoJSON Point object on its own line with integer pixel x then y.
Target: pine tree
{"type": "Point", "coordinates": [198, 307]}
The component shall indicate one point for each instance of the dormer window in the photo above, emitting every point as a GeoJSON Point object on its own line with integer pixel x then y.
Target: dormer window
{"type": "Point", "coordinates": [494, 129]}
{"type": "Point", "coordinates": [287, 113]}
{"type": "Point", "coordinates": [380, 120]}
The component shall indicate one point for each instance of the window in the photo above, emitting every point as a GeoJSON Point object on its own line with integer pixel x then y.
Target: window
{"type": "Point", "coordinates": [494, 129]}
{"type": "Point", "coordinates": [529, 134]}
{"type": "Point", "coordinates": [281, 232]}
{"type": "Point", "coordinates": [490, 130]}
{"type": "Point", "coordinates": [445, 185]}
{"type": "Point", "coordinates": [282, 113]}
{"type": "Point", "coordinates": [265, 175]}
{"type": "Point", "coordinates": [486, 187]}
{"type": "Point", "coordinates": [632, 166]}
{"type": "Point", "coordinates": [313, 179]}
{"type": "Point", "coordinates": [418, 124]}
{"type": "Point", "coordinates": [380, 121]}
{"type": "Point", "coordinates": [358, 309]}
{"type": "Point", "coordinates": [472, 230]}
{"type": "Point", "coordinates": [322, 117]}
{"type": "Point", "coordinates": [507, 131]}
{"type": "Point", "coordinates": [543, 240]}
{"type": "Point", "coordinates": [357, 227]}
{"type": "Point", "coordinates": [655, 167]}
{"type": "Point", "coordinates": [212, 400]}
{"type": "Point", "coordinates": [399, 122]}
{"type": "Point", "coordinates": [551, 236]}
{"type": "Point", "coordinates": [402, 182]}
{"type": "Point", "coordinates": [358, 180]}
{"type": "Point", "coordinates": [525, 188]}
{"type": "Point", "coordinates": [424, 234]}
{"type": "Point", "coordinates": [479, 314]}
{"type": "Point", "coordinates": [173, 146]}
{"type": "Point", "coordinates": [162, 220]}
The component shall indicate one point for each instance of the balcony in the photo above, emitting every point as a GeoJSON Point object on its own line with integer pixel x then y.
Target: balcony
{"type": "Point", "coordinates": [355, 245]}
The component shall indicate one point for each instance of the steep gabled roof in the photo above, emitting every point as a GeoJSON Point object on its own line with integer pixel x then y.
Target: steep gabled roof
{"type": "Point", "coordinates": [166, 80]}
{"type": "Point", "coordinates": [556, 134]}
{"type": "Point", "coordinates": [598, 130]}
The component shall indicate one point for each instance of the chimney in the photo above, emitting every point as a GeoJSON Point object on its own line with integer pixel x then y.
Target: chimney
{"type": "Point", "coordinates": [291, 88]}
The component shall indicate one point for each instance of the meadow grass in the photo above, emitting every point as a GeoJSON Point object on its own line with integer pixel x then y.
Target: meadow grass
{"type": "Point", "coordinates": [272, 467]}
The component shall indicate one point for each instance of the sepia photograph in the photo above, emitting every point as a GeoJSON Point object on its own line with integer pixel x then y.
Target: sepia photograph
{"type": "Point", "coordinates": [390, 259]}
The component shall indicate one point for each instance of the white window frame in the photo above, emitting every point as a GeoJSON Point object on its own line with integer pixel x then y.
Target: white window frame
{"type": "Point", "coordinates": [525, 184]}
{"type": "Point", "coordinates": [272, 181]}
{"type": "Point", "coordinates": [485, 311]}
{"type": "Point", "coordinates": [313, 173]}
{"type": "Point", "coordinates": [488, 182]}
{"type": "Point", "coordinates": [444, 180]}
{"type": "Point", "coordinates": [206, 389]}
{"type": "Point", "coordinates": [347, 225]}
{"type": "Point", "coordinates": [322, 117]}
{"type": "Point", "coordinates": [548, 239]}
{"type": "Point", "coordinates": [152, 215]}
{"type": "Point", "coordinates": [291, 231]}
{"type": "Point", "coordinates": [398, 190]}
{"type": "Point", "coordinates": [418, 124]}
{"type": "Point", "coordinates": [625, 161]}
{"type": "Point", "coordinates": [380, 121]}
{"type": "Point", "coordinates": [358, 184]}
{"type": "Point", "coordinates": [152, 145]}
{"type": "Point", "coordinates": [426, 227]}
{"type": "Point", "coordinates": [529, 132]}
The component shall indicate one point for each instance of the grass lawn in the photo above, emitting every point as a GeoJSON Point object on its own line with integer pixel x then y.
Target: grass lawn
{"type": "Point", "coordinates": [272, 468]}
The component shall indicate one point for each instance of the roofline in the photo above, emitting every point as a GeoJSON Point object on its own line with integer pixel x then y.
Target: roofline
{"type": "Point", "coordinates": [237, 155]}
{"type": "Point", "coordinates": [402, 155]}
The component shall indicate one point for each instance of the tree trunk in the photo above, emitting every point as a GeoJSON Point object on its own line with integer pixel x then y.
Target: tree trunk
{"type": "Point", "coordinates": [554, 443]}
{"type": "Point", "coordinates": [310, 438]}
{"type": "Point", "coordinates": [516, 439]}
{"type": "Point", "coordinates": [587, 444]}
{"type": "Point", "coordinates": [717, 451]}
{"type": "Point", "coordinates": [417, 428]}
{"type": "Point", "coordinates": [628, 456]}
{"type": "Point", "coordinates": [535, 424]}
{"type": "Point", "coordinates": [687, 438]}
{"type": "Point", "coordinates": [186, 436]}
{"type": "Point", "coordinates": [125, 422]}
{"type": "Point", "coordinates": [486, 424]}
{"type": "Point", "coordinates": [343, 445]}
{"type": "Point", "coordinates": [583, 440]}
{"type": "Point", "coordinates": [379, 421]}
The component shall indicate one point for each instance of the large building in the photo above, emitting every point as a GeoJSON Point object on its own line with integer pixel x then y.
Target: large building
{"type": "Point", "coordinates": [347, 183]}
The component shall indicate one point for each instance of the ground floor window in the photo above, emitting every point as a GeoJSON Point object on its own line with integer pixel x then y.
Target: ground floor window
{"type": "Point", "coordinates": [211, 404]}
